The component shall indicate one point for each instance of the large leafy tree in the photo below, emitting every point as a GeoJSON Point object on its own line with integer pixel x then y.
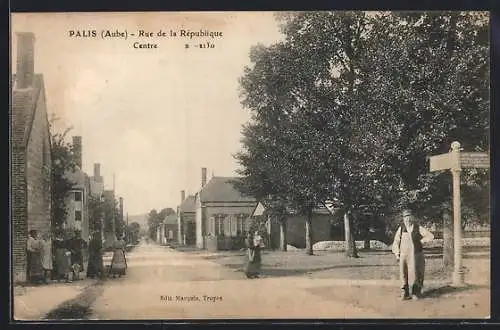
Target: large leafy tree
{"type": "Point", "coordinates": [133, 232]}
{"type": "Point", "coordinates": [96, 208]}
{"type": "Point", "coordinates": [349, 106]}
{"type": "Point", "coordinates": [429, 77]}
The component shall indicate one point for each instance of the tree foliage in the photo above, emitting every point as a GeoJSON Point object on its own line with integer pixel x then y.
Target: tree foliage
{"type": "Point", "coordinates": [155, 218]}
{"type": "Point", "coordinates": [133, 232]}
{"type": "Point", "coordinates": [349, 106]}
{"type": "Point", "coordinates": [63, 162]}
{"type": "Point", "coordinates": [96, 207]}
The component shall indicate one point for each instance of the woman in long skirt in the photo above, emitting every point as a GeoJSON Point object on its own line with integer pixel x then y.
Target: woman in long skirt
{"type": "Point", "coordinates": [253, 258]}
{"type": "Point", "coordinates": [34, 247]}
{"type": "Point", "coordinates": [118, 262]}
{"type": "Point", "coordinates": [47, 262]}
{"type": "Point", "coordinates": [62, 259]}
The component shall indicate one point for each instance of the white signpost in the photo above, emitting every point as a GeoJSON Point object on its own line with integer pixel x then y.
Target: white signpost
{"type": "Point", "coordinates": [455, 161]}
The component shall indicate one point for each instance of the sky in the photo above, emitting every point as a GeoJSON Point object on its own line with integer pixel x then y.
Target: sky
{"type": "Point", "coordinates": [151, 117]}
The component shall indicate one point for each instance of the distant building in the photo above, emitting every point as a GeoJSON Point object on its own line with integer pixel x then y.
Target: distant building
{"type": "Point", "coordinates": [170, 229]}
{"type": "Point", "coordinates": [30, 155]}
{"type": "Point", "coordinates": [97, 182]}
{"type": "Point", "coordinates": [186, 220]}
{"type": "Point", "coordinates": [77, 211]}
{"type": "Point", "coordinates": [222, 214]}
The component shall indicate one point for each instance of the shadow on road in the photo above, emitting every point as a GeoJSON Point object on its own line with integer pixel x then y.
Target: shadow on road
{"type": "Point", "coordinates": [70, 313]}
{"type": "Point", "coordinates": [280, 272]}
{"type": "Point", "coordinates": [448, 289]}
{"type": "Point", "coordinates": [79, 307]}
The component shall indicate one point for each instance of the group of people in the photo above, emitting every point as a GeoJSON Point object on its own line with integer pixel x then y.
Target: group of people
{"type": "Point", "coordinates": [55, 257]}
{"type": "Point", "coordinates": [407, 247]}
{"type": "Point", "coordinates": [96, 264]}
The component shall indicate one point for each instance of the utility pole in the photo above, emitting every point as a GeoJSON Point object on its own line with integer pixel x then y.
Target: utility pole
{"type": "Point", "coordinates": [128, 231]}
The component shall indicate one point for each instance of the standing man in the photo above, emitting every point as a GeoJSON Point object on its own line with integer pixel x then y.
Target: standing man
{"type": "Point", "coordinates": [408, 249]}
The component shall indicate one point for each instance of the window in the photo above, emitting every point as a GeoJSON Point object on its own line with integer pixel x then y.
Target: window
{"type": "Point", "coordinates": [219, 225]}
{"type": "Point", "coordinates": [240, 225]}
{"type": "Point", "coordinates": [78, 196]}
{"type": "Point", "coordinates": [78, 215]}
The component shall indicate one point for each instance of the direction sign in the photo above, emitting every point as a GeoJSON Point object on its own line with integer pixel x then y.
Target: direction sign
{"type": "Point", "coordinates": [440, 162]}
{"type": "Point", "coordinates": [475, 159]}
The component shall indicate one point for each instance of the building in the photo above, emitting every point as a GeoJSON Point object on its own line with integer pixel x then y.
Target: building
{"type": "Point", "coordinates": [323, 226]}
{"type": "Point", "coordinates": [170, 229]}
{"type": "Point", "coordinates": [221, 214]}
{"type": "Point", "coordinates": [77, 211]}
{"type": "Point", "coordinates": [30, 155]}
{"type": "Point", "coordinates": [97, 182]}
{"type": "Point", "coordinates": [186, 220]}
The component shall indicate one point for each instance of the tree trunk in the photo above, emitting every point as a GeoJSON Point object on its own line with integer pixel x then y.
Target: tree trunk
{"type": "Point", "coordinates": [447, 239]}
{"type": "Point", "coordinates": [366, 244]}
{"type": "Point", "coordinates": [283, 240]}
{"type": "Point", "coordinates": [309, 234]}
{"type": "Point", "coordinates": [350, 250]}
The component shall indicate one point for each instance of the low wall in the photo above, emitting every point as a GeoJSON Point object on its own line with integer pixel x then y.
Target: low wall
{"type": "Point", "coordinates": [224, 243]}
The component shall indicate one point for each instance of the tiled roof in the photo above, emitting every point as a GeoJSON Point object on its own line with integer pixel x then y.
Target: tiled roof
{"type": "Point", "coordinates": [221, 189]}
{"type": "Point", "coordinates": [187, 205]}
{"type": "Point", "coordinates": [170, 219]}
{"type": "Point", "coordinates": [23, 110]}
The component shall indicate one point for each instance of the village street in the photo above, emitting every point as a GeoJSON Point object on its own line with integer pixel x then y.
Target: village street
{"type": "Point", "coordinates": [165, 284]}
{"type": "Point", "coordinates": [157, 274]}
{"type": "Point", "coordinates": [161, 282]}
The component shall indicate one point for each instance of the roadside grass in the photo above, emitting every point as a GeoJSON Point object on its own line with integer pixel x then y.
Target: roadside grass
{"type": "Point", "coordinates": [371, 265]}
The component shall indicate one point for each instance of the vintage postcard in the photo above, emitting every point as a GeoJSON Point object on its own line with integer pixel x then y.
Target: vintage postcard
{"type": "Point", "coordinates": [250, 165]}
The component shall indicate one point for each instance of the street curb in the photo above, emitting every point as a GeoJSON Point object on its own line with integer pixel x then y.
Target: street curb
{"type": "Point", "coordinates": [78, 307]}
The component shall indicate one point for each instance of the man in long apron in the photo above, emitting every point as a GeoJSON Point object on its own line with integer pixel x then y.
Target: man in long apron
{"type": "Point", "coordinates": [408, 249]}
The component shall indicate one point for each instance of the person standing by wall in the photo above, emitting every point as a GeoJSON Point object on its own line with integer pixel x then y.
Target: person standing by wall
{"type": "Point", "coordinates": [47, 262]}
{"type": "Point", "coordinates": [62, 257]}
{"type": "Point", "coordinates": [34, 249]}
{"type": "Point", "coordinates": [95, 267]}
{"type": "Point", "coordinates": [408, 249]}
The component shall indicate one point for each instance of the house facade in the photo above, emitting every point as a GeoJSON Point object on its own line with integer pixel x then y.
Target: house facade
{"type": "Point", "coordinates": [323, 228]}
{"type": "Point", "coordinates": [222, 214]}
{"type": "Point", "coordinates": [186, 220]}
{"type": "Point", "coordinates": [30, 156]}
{"type": "Point", "coordinates": [167, 231]}
{"type": "Point", "coordinates": [77, 211]}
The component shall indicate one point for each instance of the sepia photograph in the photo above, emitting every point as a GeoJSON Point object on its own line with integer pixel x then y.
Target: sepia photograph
{"type": "Point", "coordinates": [250, 165]}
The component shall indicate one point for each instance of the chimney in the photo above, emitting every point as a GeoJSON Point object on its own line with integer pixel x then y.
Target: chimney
{"type": "Point", "coordinates": [203, 176]}
{"type": "Point", "coordinates": [183, 195]}
{"type": "Point", "coordinates": [97, 170]}
{"type": "Point", "coordinates": [77, 150]}
{"type": "Point", "coordinates": [121, 209]}
{"type": "Point", "coordinates": [25, 59]}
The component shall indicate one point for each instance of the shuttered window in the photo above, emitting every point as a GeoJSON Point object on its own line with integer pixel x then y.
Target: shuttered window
{"type": "Point", "coordinates": [234, 226]}
{"type": "Point", "coordinates": [219, 225]}
{"type": "Point", "coordinates": [227, 226]}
